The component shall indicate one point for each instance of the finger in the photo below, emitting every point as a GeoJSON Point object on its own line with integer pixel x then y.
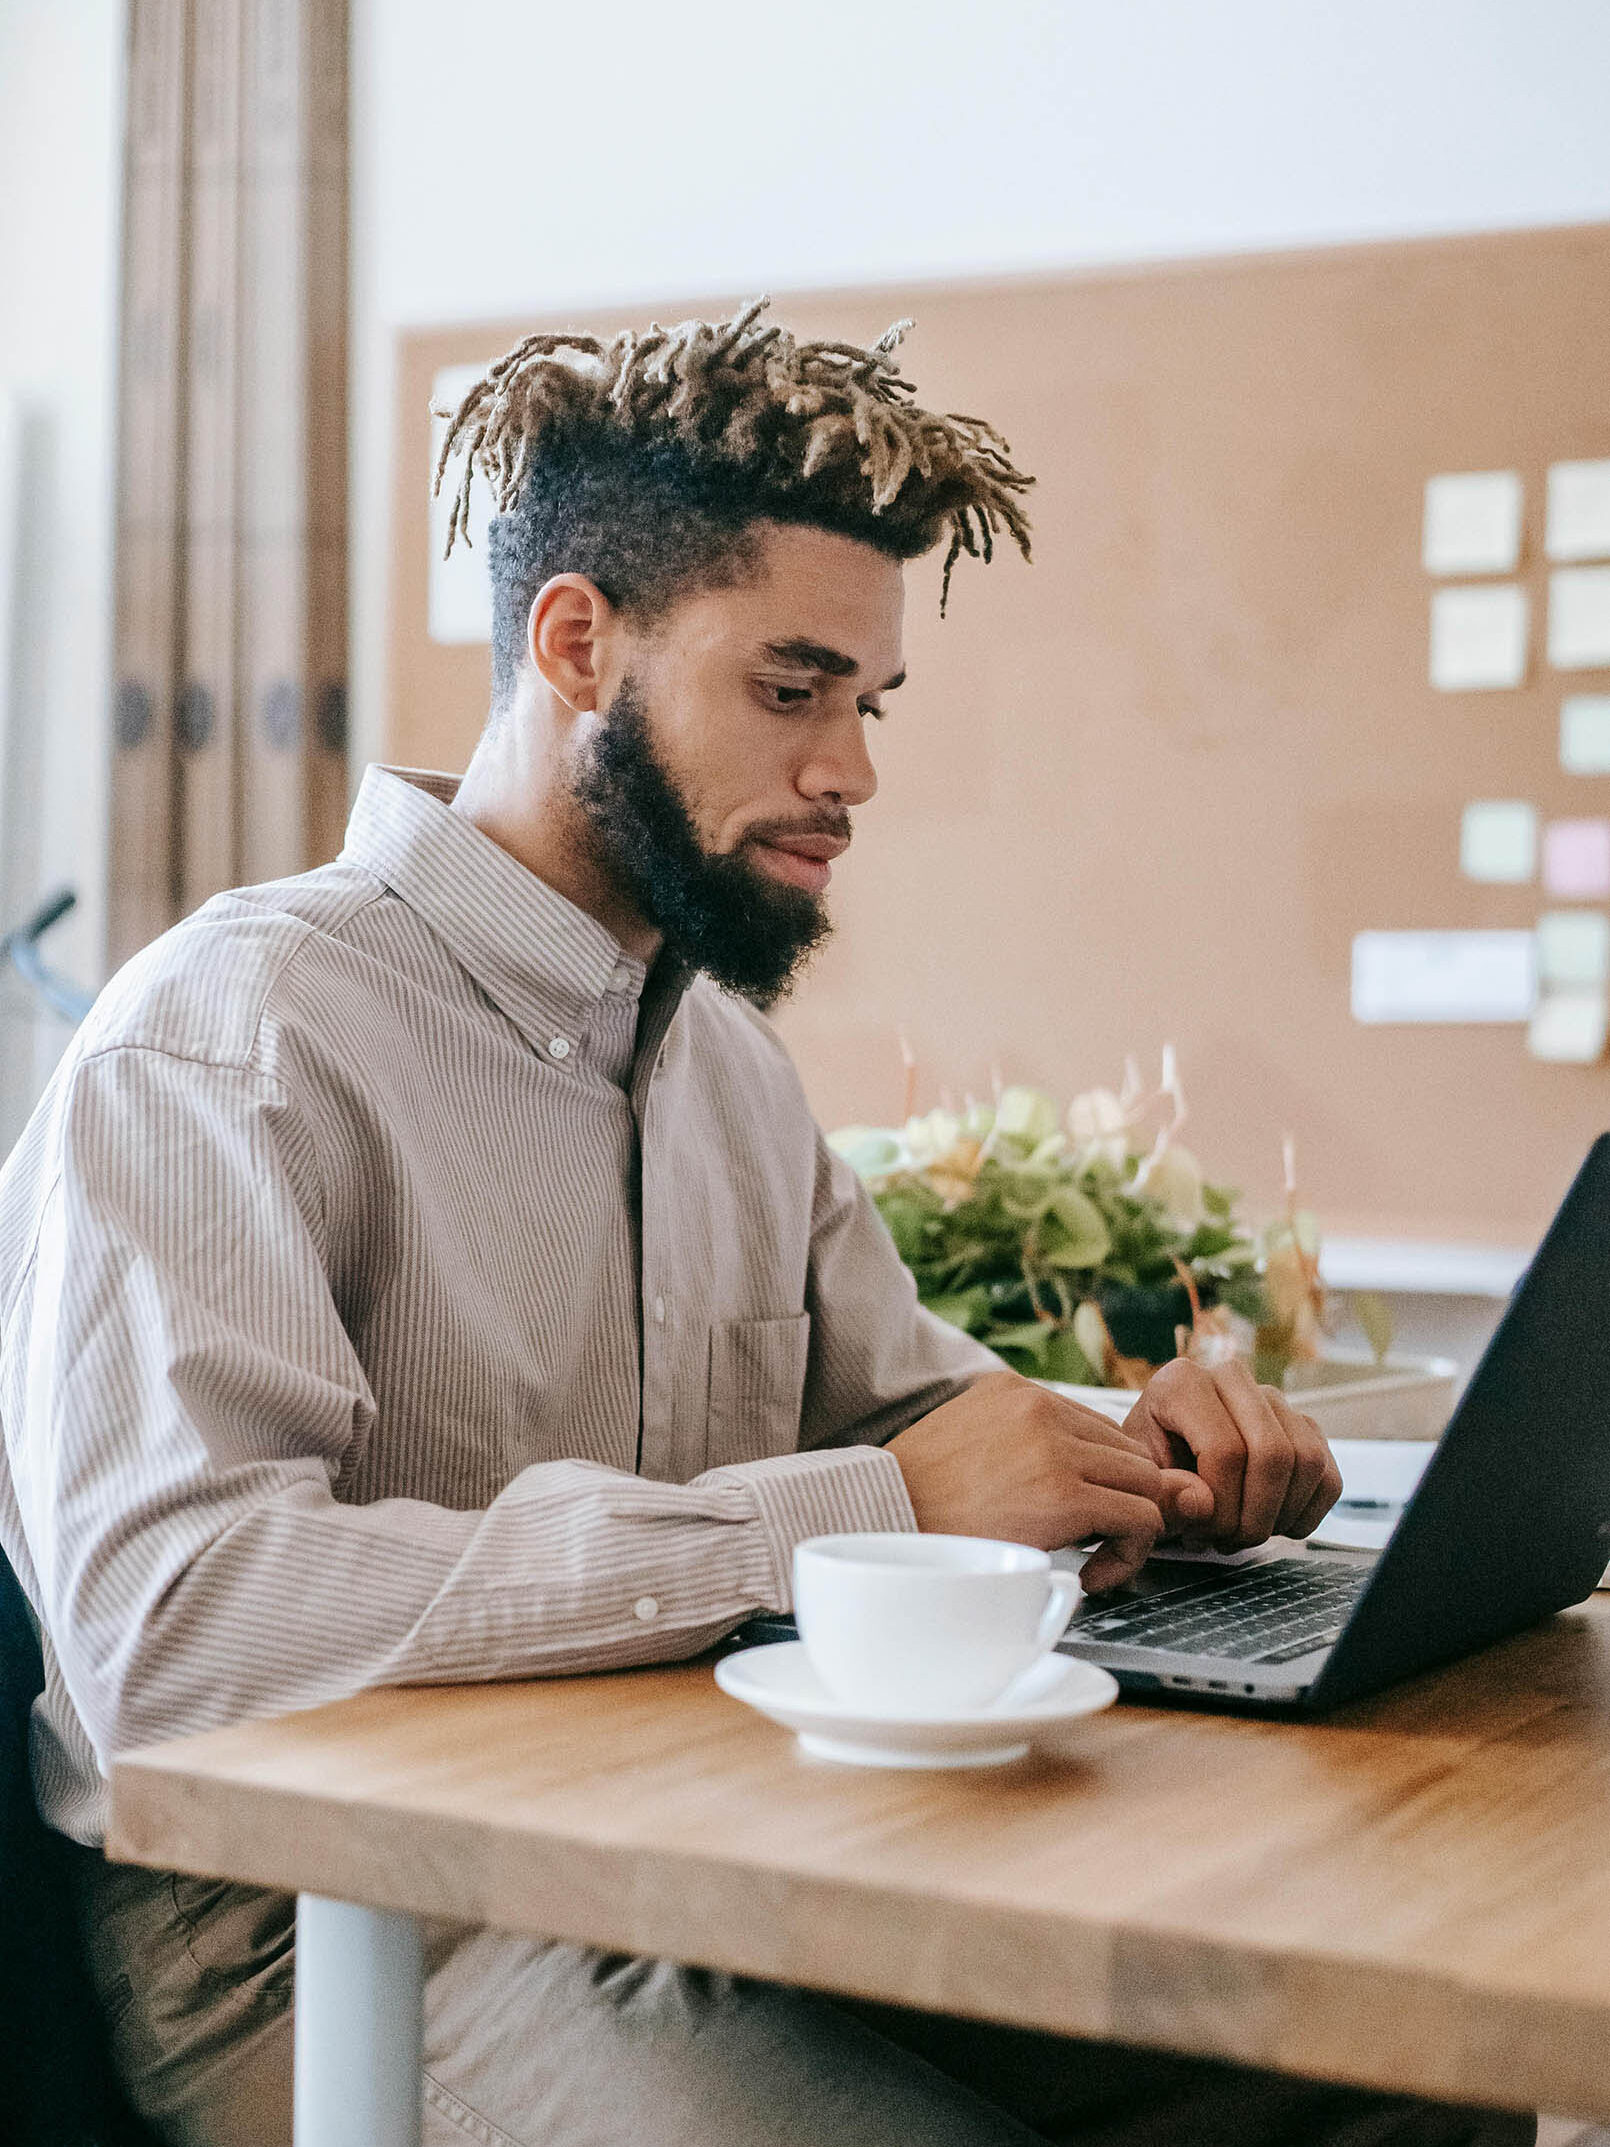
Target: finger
{"type": "Point", "coordinates": [1329, 1491]}
{"type": "Point", "coordinates": [1311, 1516]}
{"type": "Point", "coordinates": [1117, 1468]}
{"type": "Point", "coordinates": [1128, 1527]}
{"type": "Point", "coordinates": [1310, 1455]}
{"type": "Point", "coordinates": [1186, 1501]}
{"type": "Point", "coordinates": [1184, 1402]}
{"type": "Point", "coordinates": [1111, 1564]}
{"type": "Point", "coordinates": [1102, 1511]}
{"type": "Point", "coordinates": [1141, 1426]}
{"type": "Point", "coordinates": [1270, 1451]}
{"type": "Point", "coordinates": [1086, 1423]}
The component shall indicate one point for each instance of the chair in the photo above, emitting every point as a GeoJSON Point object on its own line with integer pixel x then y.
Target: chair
{"type": "Point", "coordinates": [56, 2085]}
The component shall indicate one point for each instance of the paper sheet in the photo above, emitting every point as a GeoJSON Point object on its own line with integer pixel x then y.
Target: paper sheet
{"type": "Point", "coordinates": [1478, 638]}
{"type": "Point", "coordinates": [1579, 511]}
{"type": "Point", "coordinates": [459, 598]}
{"type": "Point", "coordinates": [1569, 1027]}
{"type": "Point", "coordinates": [1579, 618]}
{"type": "Point", "coordinates": [1444, 976]}
{"type": "Point", "coordinates": [1472, 522]}
{"type": "Point", "coordinates": [1576, 859]}
{"type": "Point", "coordinates": [1378, 1479]}
{"type": "Point", "coordinates": [1585, 734]}
{"type": "Point", "coordinates": [1498, 840]}
{"type": "Point", "coordinates": [1573, 948]}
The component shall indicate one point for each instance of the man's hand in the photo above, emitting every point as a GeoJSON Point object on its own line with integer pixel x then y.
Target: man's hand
{"type": "Point", "coordinates": [1011, 1459]}
{"type": "Point", "coordinates": [1267, 1466]}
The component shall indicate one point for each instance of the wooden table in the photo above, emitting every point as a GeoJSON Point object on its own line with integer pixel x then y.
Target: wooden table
{"type": "Point", "coordinates": [1413, 1894]}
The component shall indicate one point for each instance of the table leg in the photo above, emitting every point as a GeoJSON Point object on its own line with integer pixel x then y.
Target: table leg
{"type": "Point", "coordinates": [359, 2015]}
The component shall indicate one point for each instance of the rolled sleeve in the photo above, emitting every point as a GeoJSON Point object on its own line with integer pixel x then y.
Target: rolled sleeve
{"type": "Point", "coordinates": [856, 1490]}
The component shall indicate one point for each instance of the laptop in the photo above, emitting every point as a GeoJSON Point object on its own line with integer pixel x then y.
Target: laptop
{"type": "Point", "coordinates": [1509, 1523]}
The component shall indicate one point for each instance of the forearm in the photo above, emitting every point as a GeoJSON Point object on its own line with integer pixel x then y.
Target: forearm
{"type": "Point", "coordinates": [293, 1599]}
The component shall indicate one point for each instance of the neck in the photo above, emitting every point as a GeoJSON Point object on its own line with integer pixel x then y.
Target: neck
{"type": "Point", "coordinates": [516, 791]}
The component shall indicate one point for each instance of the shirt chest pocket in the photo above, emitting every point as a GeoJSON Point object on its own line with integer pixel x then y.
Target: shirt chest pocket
{"type": "Point", "coordinates": [757, 1382]}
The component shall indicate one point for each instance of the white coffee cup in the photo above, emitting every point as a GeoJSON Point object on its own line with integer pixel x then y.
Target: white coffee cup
{"type": "Point", "coordinates": [923, 1626]}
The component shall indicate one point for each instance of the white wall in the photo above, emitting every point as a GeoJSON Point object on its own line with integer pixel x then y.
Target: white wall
{"type": "Point", "coordinates": [512, 157]}
{"type": "Point", "coordinates": [61, 65]}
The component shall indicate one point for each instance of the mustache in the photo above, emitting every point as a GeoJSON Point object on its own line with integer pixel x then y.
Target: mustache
{"type": "Point", "coordinates": [834, 824]}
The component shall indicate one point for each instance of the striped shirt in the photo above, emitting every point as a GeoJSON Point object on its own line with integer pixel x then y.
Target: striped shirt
{"type": "Point", "coordinates": [399, 1286]}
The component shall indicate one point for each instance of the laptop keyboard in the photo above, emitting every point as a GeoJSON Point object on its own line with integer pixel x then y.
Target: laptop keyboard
{"type": "Point", "coordinates": [1270, 1613]}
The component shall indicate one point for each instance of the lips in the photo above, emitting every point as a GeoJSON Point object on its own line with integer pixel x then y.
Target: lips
{"type": "Point", "coordinates": [800, 860]}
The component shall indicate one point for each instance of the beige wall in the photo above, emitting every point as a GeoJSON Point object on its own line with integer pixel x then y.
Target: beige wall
{"type": "Point", "coordinates": [717, 149]}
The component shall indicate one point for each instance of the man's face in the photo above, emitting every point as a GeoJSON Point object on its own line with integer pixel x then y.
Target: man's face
{"type": "Point", "coordinates": [718, 783]}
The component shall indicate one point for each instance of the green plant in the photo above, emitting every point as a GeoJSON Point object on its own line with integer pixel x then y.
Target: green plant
{"type": "Point", "coordinates": [1076, 1250]}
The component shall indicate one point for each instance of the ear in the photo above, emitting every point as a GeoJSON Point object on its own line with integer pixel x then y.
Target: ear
{"type": "Point", "coordinates": [570, 623]}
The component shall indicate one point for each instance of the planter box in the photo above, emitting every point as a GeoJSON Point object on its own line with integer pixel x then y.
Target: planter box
{"type": "Point", "coordinates": [1348, 1397]}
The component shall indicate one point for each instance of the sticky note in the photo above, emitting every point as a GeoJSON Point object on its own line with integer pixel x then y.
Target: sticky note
{"type": "Point", "coordinates": [1498, 840]}
{"type": "Point", "coordinates": [1573, 947]}
{"type": "Point", "coordinates": [1472, 522]}
{"type": "Point", "coordinates": [1478, 637]}
{"type": "Point", "coordinates": [1579, 618]}
{"type": "Point", "coordinates": [1579, 511]}
{"type": "Point", "coordinates": [1444, 976]}
{"type": "Point", "coordinates": [458, 603]}
{"type": "Point", "coordinates": [1576, 858]}
{"type": "Point", "coordinates": [1569, 1026]}
{"type": "Point", "coordinates": [1585, 734]}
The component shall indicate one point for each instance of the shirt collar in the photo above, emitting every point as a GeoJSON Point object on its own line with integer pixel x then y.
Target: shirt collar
{"type": "Point", "coordinates": [538, 957]}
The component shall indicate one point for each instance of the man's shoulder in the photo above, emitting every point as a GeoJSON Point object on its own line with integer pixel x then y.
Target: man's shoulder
{"type": "Point", "coordinates": [203, 989]}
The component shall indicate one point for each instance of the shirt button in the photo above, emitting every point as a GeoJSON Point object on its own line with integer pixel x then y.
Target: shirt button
{"type": "Point", "coordinates": [645, 1609]}
{"type": "Point", "coordinates": [559, 1047]}
{"type": "Point", "coordinates": [659, 1310]}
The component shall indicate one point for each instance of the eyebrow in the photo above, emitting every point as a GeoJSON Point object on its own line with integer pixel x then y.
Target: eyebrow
{"type": "Point", "coordinates": [802, 655]}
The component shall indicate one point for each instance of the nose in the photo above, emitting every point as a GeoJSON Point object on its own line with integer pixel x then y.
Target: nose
{"type": "Point", "coordinates": [840, 770]}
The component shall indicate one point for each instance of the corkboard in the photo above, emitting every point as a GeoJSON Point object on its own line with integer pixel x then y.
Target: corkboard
{"type": "Point", "coordinates": [1149, 788]}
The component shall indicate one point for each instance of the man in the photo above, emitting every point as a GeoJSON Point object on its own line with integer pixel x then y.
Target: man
{"type": "Point", "coordinates": [428, 1269]}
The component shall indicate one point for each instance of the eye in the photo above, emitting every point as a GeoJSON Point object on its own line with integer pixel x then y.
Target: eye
{"type": "Point", "coordinates": [779, 696]}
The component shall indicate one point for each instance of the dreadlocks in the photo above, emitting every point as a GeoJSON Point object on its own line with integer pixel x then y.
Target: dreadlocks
{"type": "Point", "coordinates": [643, 462]}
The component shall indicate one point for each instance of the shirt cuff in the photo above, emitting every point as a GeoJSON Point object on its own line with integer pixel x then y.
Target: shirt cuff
{"type": "Point", "coordinates": [841, 1491]}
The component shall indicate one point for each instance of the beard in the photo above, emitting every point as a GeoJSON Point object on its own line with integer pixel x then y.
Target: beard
{"type": "Point", "coordinates": [720, 914]}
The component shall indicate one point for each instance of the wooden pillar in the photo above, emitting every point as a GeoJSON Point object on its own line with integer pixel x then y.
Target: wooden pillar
{"type": "Point", "coordinates": [229, 753]}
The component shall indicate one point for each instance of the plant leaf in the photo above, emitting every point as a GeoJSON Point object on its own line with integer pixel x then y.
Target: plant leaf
{"type": "Point", "coordinates": [1065, 1360]}
{"type": "Point", "coordinates": [907, 1218]}
{"type": "Point", "coordinates": [1033, 1338]}
{"type": "Point", "coordinates": [1090, 1332]}
{"type": "Point", "coordinates": [967, 1309]}
{"type": "Point", "coordinates": [1244, 1293]}
{"type": "Point", "coordinates": [1085, 1240]}
{"type": "Point", "coordinates": [869, 1150]}
{"type": "Point", "coordinates": [1374, 1315]}
{"type": "Point", "coordinates": [1026, 1114]}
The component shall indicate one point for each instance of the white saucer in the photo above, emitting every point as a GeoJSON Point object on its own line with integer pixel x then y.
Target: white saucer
{"type": "Point", "coordinates": [779, 1681]}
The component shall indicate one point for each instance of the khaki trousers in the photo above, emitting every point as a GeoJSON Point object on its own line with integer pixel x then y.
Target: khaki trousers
{"type": "Point", "coordinates": [529, 2044]}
